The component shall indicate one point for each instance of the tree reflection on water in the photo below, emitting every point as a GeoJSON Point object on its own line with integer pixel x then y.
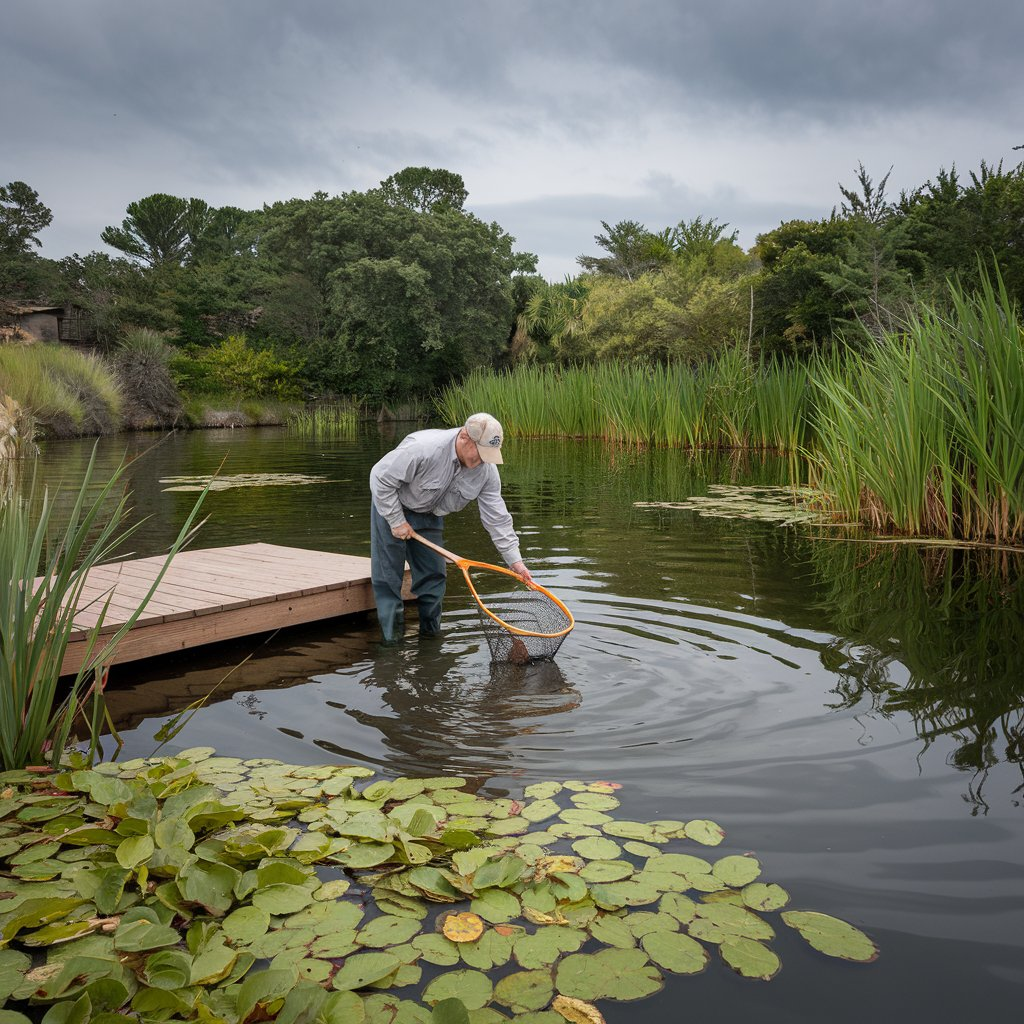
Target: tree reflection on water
{"type": "Point", "coordinates": [953, 618]}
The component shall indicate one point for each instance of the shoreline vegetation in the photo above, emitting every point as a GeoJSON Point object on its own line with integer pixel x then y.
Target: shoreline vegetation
{"type": "Point", "coordinates": [920, 435]}
{"type": "Point", "coordinates": [879, 347]}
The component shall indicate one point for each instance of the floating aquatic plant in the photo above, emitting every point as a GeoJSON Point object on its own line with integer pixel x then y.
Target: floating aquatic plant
{"type": "Point", "coordinates": [783, 505]}
{"type": "Point", "coordinates": [225, 483]}
{"type": "Point", "coordinates": [213, 889]}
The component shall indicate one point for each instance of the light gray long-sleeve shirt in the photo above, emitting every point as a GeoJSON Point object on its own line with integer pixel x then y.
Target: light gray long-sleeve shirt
{"type": "Point", "coordinates": [424, 474]}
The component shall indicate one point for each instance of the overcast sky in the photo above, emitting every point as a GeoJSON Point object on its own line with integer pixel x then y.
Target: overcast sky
{"type": "Point", "coordinates": [557, 113]}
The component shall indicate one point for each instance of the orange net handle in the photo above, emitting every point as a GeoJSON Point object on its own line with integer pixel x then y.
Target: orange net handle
{"type": "Point", "coordinates": [465, 564]}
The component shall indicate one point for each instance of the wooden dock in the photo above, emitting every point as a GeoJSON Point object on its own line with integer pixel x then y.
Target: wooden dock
{"type": "Point", "coordinates": [217, 594]}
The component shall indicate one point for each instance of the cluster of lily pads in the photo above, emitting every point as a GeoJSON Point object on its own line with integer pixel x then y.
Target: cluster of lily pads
{"type": "Point", "coordinates": [205, 888]}
{"type": "Point", "coordinates": [232, 481]}
{"type": "Point", "coordinates": [782, 505]}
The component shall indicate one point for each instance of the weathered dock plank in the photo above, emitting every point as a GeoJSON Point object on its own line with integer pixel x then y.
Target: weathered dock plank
{"type": "Point", "coordinates": [213, 594]}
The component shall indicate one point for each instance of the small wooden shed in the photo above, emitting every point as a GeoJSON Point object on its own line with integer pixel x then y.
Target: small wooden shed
{"type": "Point", "coordinates": [44, 322]}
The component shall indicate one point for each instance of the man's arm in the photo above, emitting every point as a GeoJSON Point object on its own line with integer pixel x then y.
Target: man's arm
{"type": "Point", "coordinates": [497, 521]}
{"type": "Point", "coordinates": [386, 477]}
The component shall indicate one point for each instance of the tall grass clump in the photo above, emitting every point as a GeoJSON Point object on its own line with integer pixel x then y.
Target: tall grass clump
{"type": "Point", "coordinates": [728, 402]}
{"type": "Point", "coordinates": [68, 392]}
{"type": "Point", "coordinates": [142, 366]}
{"type": "Point", "coordinates": [45, 560]}
{"type": "Point", "coordinates": [335, 419]}
{"type": "Point", "coordinates": [924, 434]}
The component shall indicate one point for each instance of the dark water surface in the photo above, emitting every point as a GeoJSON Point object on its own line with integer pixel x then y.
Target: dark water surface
{"type": "Point", "coordinates": [849, 712]}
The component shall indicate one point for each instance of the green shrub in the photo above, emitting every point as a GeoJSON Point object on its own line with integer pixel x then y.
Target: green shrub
{"type": "Point", "coordinates": [232, 367]}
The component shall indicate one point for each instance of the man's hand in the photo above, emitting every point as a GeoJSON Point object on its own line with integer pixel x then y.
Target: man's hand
{"type": "Point", "coordinates": [403, 531]}
{"type": "Point", "coordinates": [519, 568]}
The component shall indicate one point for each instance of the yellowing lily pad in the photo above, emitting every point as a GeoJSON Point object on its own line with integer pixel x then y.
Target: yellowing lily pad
{"type": "Point", "coordinates": [576, 1011]}
{"type": "Point", "coordinates": [463, 927]}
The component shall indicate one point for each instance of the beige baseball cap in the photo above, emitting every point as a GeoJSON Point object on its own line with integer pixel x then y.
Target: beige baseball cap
{"type": "Point", "coordinates": [486, 432]}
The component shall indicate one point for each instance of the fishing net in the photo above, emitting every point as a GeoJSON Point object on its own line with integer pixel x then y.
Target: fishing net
{"type": "Point", "coordinates": [520, 623]}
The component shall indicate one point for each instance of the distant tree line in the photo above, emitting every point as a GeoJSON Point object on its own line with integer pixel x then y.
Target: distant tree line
{"type": "Point", "coordinates": [398, 290]}
{"type": "Point", "coordinates": [686, 292]}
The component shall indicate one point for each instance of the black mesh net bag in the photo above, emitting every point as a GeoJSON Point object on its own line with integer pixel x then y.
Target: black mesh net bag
{"type": "Point", "coordinates": [523, 624]}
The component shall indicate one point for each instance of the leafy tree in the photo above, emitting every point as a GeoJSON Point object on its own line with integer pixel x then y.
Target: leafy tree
{"type": "Point", "coordinates": [629, 320]}
{"type": "Point", "coordinates": [412, 298]}
{"type": "Point", "coordinates": [872, 275]}
{"type": "Point", "coordinates": [553, 320]}
{"type": "Point", "coordinates": [795, 310]}
{"type": "Point", "coordinates": [425, 189]}
{"type": "Point", "coordinates": [632, 251]}
{"type": "Point", "coordinates": [699, 238]}
{"type": "Point", "coordinates": [677, 313]}
{"type": "Point", "coordinates": [22, 217]}
{"type": "Point", "coordinates": [950, 223]}
{"type": "Point", "coordinates": [160, 229]}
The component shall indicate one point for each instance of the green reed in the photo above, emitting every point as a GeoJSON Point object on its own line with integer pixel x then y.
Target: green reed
{"type": "Point", "coordinates": [339, 419]}
{"type": "Point", "coordinates": [37, 712]}
{"type": "Point", "coordinates": [925, 433]}
{"type": "Point", "coordinates": [729, 402]}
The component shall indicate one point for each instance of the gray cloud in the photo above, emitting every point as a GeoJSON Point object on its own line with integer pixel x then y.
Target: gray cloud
{"type": "Point", "coordinates": [559, 114]}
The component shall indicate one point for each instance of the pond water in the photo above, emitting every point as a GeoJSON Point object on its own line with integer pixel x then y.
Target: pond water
{"type": "Point", "coordinates": [850, 712]}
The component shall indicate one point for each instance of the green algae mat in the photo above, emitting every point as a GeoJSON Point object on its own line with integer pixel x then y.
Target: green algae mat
{"type": "Point", "coordinates": [211, 889]}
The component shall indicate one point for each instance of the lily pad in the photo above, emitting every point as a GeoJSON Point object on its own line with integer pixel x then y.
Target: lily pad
{"type": "Point", "coordinates": [623, 974]}
{"type": "Point", "coordinates": [543, 790]}
{"type": "Point", "coordinates": [736, 871]}
{"type": "Point", "coordinates": [496, 906]}
{"type": "Point", "coordinates": [595, 801]}
{"type": "Point", "coordinates": [606, 870]}
{"type": "Point", "coordinates": [705, 832]}
{"type": "Point", "coordinates": [541, 810]}
{"type": "Point", "coordinates": [525, 990]}
{"type": "Point", "coordinates": [613, 931]}
{"type": "Point", "coordinates": [492, 949]}
{"type": "Point", "coordinates": [597, 849]}
{"type": "Point", "coordinates": [474, 988]}
{"type": "Point", "coordinates": [831, 936]}
{"type": "Point", "coordinates": [577, 1011]}
{"type": "Point", "coordinates": [362, 969]}
{"type": "Point", "coordinates": [436, 949]}
{"type": "Point", "coordinates": [750, 958]}
{"type": "Point", "coordinates": [675, 952]}
{"type": "Point", "coordinates": [719, 922]}
{"type": "Point", "coordinates": [762, 897]}
{"type": "Point", "coordinates": [546, 945]}
{"type": "Point", "coordinates": [681, 907]}
{"type": "Point", "coordinates": [387, 931]}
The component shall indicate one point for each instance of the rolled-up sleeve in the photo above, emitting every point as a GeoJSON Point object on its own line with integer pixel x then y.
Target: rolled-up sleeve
{"type": "Point", "coordinates": [497, 520]}
{"type": "Point", "coordinates": [398, 467]}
